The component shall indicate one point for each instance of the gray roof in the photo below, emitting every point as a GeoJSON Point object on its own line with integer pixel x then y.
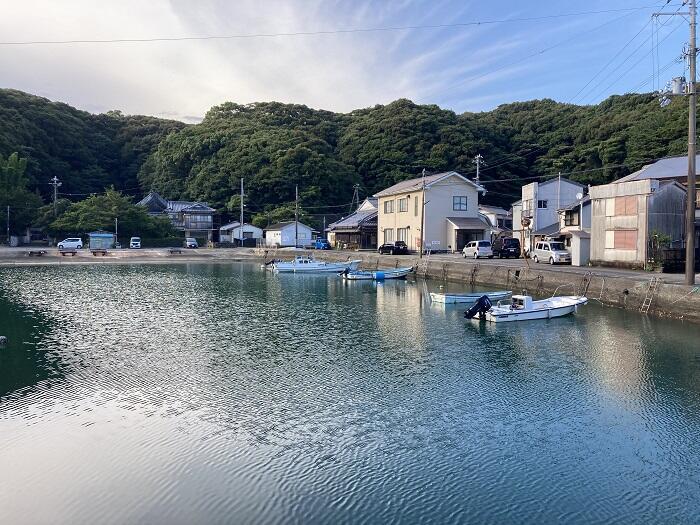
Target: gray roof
{"type": "Point", "coordinates": [563, 179]}
{"type": "Point", "coordinates": [155, 203]}
{"type": "Point", "coordinates": [416, 184]}
{"type": "Point", "coordinates": [280, 225]}
{"type": "Point", "coordinates": [586, 200]}
{"type": "Point", "coordinates": [493, 209]}
{"type": "Point", "coordinates": [233, 225]}
{"type": "Point", "coordinates": [668, 168]}
{"type": "Point", "coordinates": [470, 223]}
{"type": "Point", "coordinates": [353, 220]}
{"type": "Point", "coordinates": [548, 230]}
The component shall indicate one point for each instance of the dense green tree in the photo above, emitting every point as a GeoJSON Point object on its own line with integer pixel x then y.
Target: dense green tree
{"type": "Point", "coordinates": [276, 147]}
{"type": "Point", "coordinates": [23, 203]}
{"type": "Point", "coordinates": [98, 212]}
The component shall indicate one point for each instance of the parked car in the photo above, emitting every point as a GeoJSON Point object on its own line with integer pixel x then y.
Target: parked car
{"type": "Point", "coordinates": [191, 242]}
{"type": "Point", "coordinates": [552, 252]}
{"type": "Point", "coordinates": [322, 244]}
{"type": "Point", "coordinates": [506, 247]}
{"type": "Point", "coordinates": [477, 249]}
{"type": "Point", "coordinates": [71, 243]}
{"type": "Point", "coordinates": [395, 248]}
{"type": "Point", "coordinates": [135, 243]}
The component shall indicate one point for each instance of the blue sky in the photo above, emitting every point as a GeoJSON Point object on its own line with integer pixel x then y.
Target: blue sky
{"type": "Point", "coordinates": [466, 68]}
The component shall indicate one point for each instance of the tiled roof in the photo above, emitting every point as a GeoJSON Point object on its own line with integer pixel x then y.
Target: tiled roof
{"type": "Point", "coordinates": [354, 220]}
{"type": "Point", "coordinates": [417, 184]}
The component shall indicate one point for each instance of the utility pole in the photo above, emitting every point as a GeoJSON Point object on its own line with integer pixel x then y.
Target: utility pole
{"type": "Point", "coordinates": [691, 189]}
{"type": "Point", "coordinates": [8, 225]}
{"type": "Point", "coordinates": [240, 225]}
{"type": "Point", "coordinates": [116, 231]}
{"type": "Point", "coordinates": [55, 183]}
{"type": "Point", "coordinates": [296, 216]}
{"type": "Point", "coordinates": [559, 193]}
{"type": "Point", "coordinates": [422, 219]}
{"type": "Point", "coordinates": [478, 160]}
{"type": "Point", "coordinates": [355, 203]}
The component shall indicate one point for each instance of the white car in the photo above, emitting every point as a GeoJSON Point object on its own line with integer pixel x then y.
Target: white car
{"type": "Point", "coordinates": [135, 243]}
{"type": "Point", "coordinates": [71, 243]}
{"type": "Point", "coordinates": [478, 249]}
{"type": "Point", "coordinates": [553, 252]}
{"type": "Point", "coordinates": [191, 242]}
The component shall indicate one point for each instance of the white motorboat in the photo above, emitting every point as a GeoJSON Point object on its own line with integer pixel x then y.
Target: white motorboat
{"type": "Point", "coordinates": [468, 298]}
{"type": "Point", "coordinates": [305, 264]}
{"type": "Point", "coordinates": [378, 275]}
{"type": "Point", "coordinates": [523, 308]}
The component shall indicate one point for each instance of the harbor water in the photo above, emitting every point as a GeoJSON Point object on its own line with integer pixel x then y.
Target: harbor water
{"type": "Point", "coordinates": [220, 393]}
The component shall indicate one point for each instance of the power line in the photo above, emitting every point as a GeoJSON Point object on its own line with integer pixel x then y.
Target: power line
{"type": "Point", "coordinates": [320, 32]}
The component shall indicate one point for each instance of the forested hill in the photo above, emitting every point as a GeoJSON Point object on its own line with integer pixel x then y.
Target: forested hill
{"type": "Point", "coordinates": [276, 146]}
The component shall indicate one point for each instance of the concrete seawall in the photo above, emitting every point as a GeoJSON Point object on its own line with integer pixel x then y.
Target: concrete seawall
{"type": "Point", "coordinates": [629, 292]}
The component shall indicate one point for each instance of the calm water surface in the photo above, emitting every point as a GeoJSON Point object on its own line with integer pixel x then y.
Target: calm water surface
{"type": "Point", "coordinates": [223, 394]}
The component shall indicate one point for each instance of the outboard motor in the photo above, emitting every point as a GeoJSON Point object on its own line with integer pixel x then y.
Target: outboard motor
{"type": "Point", "coordinates": [481, 306]}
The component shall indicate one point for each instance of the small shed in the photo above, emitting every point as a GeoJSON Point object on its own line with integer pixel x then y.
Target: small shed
{"type": "Point", "coordinates": [101, 240]}
{"type": "Point", "coordinates": [580, 248]}
{"type": "Point", "coordinates": [232, 233]}
{"type": "Point", "coordinates": [288, 233]}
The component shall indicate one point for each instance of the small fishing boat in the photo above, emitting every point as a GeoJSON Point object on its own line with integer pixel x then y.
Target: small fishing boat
{"type": "Point", "coordinates": [378, 275]}
{"type": "Point", "coordinates": [523, 308]}
{"type": "Point", "coordinates": [305, 264]}
{"type": "Point", "coordinates": [468, 298]}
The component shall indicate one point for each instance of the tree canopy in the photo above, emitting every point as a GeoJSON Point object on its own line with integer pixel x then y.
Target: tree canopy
{"type": "Point", "coordinates": [277, 147]}
{"type": "Point", "coordinates": [22, 202]}
{"type": "Point", "coordinates": [99, 212]}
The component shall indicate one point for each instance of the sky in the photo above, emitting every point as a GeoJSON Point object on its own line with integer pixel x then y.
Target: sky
{"type": "Point", "coordinates": [582, 58]}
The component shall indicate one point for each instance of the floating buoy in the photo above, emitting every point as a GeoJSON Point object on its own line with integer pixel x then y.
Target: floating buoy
{"type": "Point", "coordinates": [3, 340]}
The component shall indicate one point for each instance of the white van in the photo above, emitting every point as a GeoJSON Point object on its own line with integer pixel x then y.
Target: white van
{"type": "Point", "coordinates": [552, 252]}
{"type": "Point", "coordinates": [135, 243]}
{"type": "Point", "coordinates": [477, 249]}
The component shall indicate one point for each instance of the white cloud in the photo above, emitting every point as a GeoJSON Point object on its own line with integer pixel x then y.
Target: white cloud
{"type": "Point", "coordinates": [183, 80]}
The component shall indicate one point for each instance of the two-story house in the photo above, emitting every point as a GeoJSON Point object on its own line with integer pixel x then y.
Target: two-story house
{"type": "Point", "coordinates": [540, 203]}
{"type": "Point", "coordinates": [450, 204]}
{"type": "Point", "coordinates": [195, 219]}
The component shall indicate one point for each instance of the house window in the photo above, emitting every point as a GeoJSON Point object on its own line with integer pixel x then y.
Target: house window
{"type": "Point", "coordinates": [459, 203]}
{"type": "Point", "coordinates": [247, 235]}
{"type": "Point", "coordinates": [541, 205]}
{"type": "Point", "coordinates": [388, 206]}
{"type": "Point", "coordinates": [571, 218]}
{"type": "Point", "coordinates": [626, 205]}
{"type": "Point", "coordinates": [403, 204]}
{"type": "Point", "coordinates": [402, 234]}
{"type": "Point", "coordinates": [388, 235]}
{"type": "Point", "coordinates": [415, 206]}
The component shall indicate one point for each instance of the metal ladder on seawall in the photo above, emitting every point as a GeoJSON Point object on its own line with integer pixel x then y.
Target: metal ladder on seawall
{"type": "Point", "coordinates": [423, 265]}
{"type": "Point", "coordinates": [649, 297]}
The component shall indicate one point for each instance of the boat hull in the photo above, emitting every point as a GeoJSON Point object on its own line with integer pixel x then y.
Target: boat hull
{"type": "Point", "coordinates": [321, 267]}
{"type": "Point", "coordinates": [399, 273]}
{"type": "Point", "coordinates": [546, 309]}
{"type": "Point", "coordinates": [471, 298]}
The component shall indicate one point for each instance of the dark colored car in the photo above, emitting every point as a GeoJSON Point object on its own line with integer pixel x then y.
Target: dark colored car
{"type": "Point", "coordinates": [506, 247]}
{"type": "Point", "coordinates": [396, 248]}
